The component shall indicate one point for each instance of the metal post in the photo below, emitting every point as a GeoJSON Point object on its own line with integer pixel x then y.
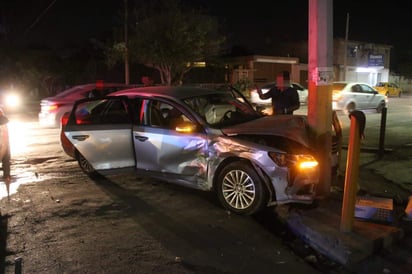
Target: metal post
{"type": "Point", "coordinates": [126, 45]}
{"type": "Point", "coordinates": [345, 52]}
{"type": "Point", "coordinates": [18, 265]}
{"type": "Point", "coordinates": [382, 132]}
{"type": "Point", "coordinates": [357, 119]}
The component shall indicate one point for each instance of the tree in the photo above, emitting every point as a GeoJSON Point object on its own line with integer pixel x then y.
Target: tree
{"type": "Point", "coordinates": [170, 39]}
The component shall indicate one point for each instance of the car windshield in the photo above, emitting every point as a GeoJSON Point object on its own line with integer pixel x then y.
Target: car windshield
{"type": "Point", "coordinates": [380, 84]}
{"type": "Point", "coordinates": [222, 109]}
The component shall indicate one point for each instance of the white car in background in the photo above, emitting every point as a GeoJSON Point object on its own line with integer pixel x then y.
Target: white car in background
{"type": "Point", "coordinates": [255, 99]}
{"type": "Point", "coordinates": [53, 108]}
{"type": "Point", "coordinates": [350, 96]}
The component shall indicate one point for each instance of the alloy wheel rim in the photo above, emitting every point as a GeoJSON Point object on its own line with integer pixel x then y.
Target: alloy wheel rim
{"type": "Point", "coordinates": [238, 189]}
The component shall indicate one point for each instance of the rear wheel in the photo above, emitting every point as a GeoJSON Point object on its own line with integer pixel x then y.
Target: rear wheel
{"type": "Point", "coordinates": [86, 167]}
{"type": "Point", "coordinates": [240, 189]}
{"type": "Point", "coordinates": [350, 107]}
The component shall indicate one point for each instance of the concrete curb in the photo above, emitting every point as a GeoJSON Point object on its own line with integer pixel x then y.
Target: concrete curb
{"type": "Point", "coordinates": [320, 228]}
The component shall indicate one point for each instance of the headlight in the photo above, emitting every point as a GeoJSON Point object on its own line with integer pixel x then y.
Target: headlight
{"type": "Point", "coordinates": [12, 100]}
{"type": "Point", "coordinates": [302, 161]}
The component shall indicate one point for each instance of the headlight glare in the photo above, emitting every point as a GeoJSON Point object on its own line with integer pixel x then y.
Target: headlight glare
{"type": "Point", "coordinates": [302, 161]}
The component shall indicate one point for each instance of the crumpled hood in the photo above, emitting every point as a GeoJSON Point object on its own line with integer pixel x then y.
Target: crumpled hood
{"type": "Point", "coordinates": [294, 127]}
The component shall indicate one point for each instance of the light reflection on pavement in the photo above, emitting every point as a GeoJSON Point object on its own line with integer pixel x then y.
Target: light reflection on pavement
{"type": "Point", "coordinates": [16, 181]}
{"type": "Point", "coordinates": [25, 138]}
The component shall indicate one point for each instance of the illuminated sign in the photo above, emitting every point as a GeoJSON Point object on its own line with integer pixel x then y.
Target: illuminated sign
{"type": "Point", "coordinates": [375, 60]}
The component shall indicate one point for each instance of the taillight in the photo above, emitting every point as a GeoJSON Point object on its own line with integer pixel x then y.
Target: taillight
{"type": "Point", "coordinates": [336, 96]}
{"type": "Point", "coordinates": [50, 108]}
{"type": "Point", "coordinates": [65, 119]}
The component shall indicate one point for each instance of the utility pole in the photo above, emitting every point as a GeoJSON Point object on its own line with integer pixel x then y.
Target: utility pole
{"type": "Point", "coordinates": [126, 45]}
{"type": "Point", "coordinates": [320, 84]}
{"type": "Point", "coordinates": [345, 56]}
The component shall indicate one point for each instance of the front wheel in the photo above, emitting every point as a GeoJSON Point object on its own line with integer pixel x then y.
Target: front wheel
{"type": "Point", "coordinates": [240, 189]}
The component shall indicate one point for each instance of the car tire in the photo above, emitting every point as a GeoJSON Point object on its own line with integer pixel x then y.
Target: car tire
{"type": "Point", "coordinates": [240, 189]}
{"type": "Point", "coordinates": [86, 167]}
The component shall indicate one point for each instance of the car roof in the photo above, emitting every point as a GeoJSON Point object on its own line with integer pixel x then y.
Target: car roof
{"type": "Point", "coordinates": [86, 87]}
{"type": "Point", "coordinates": [178, 92]}
{"type": "Point", "coordinates": [350, 83]}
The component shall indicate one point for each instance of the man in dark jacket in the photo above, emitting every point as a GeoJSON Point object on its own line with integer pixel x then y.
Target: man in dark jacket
{"type": "Point", "coordinates": [285, 98]}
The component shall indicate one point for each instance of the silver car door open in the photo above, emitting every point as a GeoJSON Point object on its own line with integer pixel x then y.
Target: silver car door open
{"type": "Point", "coordinates": [101, 130]}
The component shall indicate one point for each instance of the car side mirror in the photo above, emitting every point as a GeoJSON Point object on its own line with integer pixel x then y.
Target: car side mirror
{"type": "Point", "coordinates": [185, 127]}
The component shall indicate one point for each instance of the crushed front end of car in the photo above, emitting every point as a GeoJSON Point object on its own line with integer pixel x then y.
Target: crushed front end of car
{"type": "Point", "coordinates": [279, 147]}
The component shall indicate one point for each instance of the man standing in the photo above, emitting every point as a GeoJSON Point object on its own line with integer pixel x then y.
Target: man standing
{"type": "Point", "coordinates": [285, 98]}
{"type": "Point", "coordinates": [5, 150]}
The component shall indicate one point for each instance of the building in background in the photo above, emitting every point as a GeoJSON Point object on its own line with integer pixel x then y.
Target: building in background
{"type": "Point", "coordinates": [260, 69]}
{"type": "Point", "coordinates": [357, 61]}
{"type": "Point", "coordinates": [360, 62]}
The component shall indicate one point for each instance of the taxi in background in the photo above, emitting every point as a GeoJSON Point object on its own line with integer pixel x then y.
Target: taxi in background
{"type": "Point", "coordinates": [388, 89]}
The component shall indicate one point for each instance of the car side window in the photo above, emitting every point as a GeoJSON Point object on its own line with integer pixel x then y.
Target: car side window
{"type": "Point", "coordinates": [356, 88]}
{"type": "Point", "coordinates": [114, 111]}
{"type": "Point", "coordinates": [162, 115]}
{"type": "Point", "coordinates": [367, 89]}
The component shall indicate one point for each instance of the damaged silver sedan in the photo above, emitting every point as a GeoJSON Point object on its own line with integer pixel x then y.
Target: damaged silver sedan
{"type": "Point", "coordinates": [204, 139]}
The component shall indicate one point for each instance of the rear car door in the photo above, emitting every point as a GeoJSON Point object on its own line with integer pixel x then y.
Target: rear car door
{"type": "Point", "coordinates": [358, 96]}
{"type": "Point", "coordinates": [101, 131]}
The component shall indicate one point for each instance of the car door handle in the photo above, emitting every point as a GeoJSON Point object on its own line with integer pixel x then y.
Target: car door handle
{"type": "Point", "coordinates": [80, 137]}
{"type": "Point", "coordinates": [141, 138]}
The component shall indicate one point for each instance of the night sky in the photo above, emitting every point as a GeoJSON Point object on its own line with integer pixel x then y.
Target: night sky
{"type": "Point", "coordinates": [254, 24]}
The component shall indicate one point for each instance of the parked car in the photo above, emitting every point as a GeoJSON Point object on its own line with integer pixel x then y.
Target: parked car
{"type": "Point", "coordinates": [388, 89]}
{"type": "Point", "coordinates": [211, 140]}
{"type": "Point", "coordinates": [53, 108]}
{"type": "Point", "coordinates": [4, 146]}
{"type": "Point", "coordinates": [350, 96]}
{"type": "Point", "coordinates": [255, 99]}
